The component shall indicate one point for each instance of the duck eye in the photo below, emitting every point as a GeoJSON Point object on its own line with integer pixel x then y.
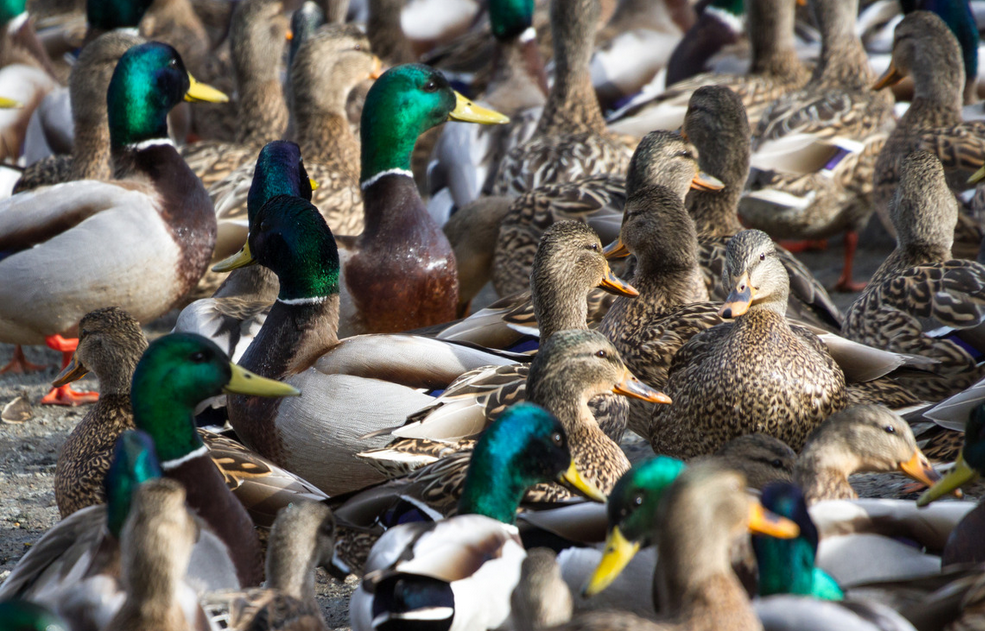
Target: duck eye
{"type": "Point", "coordinates": [777, 464]}
{"type": "Point", "coordinates": [762, 256]}
{"type": "Point", "coordinates": [357, 47]}
{"type": "Point", "coordinates": [558, 439]}
{"type": "Point", "coordinates": [890, 429]}
{"type": "Point", "coordinates": [264, 226]}
{"type": "Point", "coordinates": [197, 357]}
{"type": "Point", "coordinates": [430, 86]}
{"type": "Point", "coordinates": [601, 354]}
{"type": "Point", "coordinates": [638, 499]}
{"type": "Point", "coordinates": [594, 247]}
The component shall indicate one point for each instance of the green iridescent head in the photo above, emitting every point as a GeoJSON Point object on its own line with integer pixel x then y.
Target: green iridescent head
{"type": "Point", "coordinates": [148, 82]}
{"type": "Point", "coordinates": [510, 18]}
{"type": "Point", "coordinates": [973, 451]}
{"type": "Point", "coordinates": [525, 446]}
{"type": "Point", "coordinates": [9, 9]}
{"type": "Point", "coordinates": [21, 615]}
{"type": "Point", "coordinates": [134, 462]}
{"type": "Point", "coordinates": [290, 237]}
{"type": "Point", "coordinates": [786, 566]}
{"type": "Point", "coordinates": [279, 171]}
{"type": "Point", "coordinates": [107, 15]}
{"type": "Point", "coordinates": [735, 7]}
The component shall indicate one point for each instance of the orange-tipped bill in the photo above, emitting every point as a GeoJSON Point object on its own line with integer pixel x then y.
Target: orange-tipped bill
{"type": "Point", "coordinates": [378, 68]}
{"type": "Point", "coordinates": [289, 35]}
{"type": "Point", "coordinates": [704, 182]}
{"type": "Point", "coordinates": [739, 300]}
{"type": "Point", "coordinates": [73, 372]}
{"type": "Point", "coordinates": [891, 77]}
{"type": "Point", "coordinates": [616, 250]}
{"type": "Point", "coordinates": [630, 386]}
{"type": "Point", "coordinates": [960, 475]}
{"type": "Point", "coordinates": [614, 285]}
{"type": "Point", "coordinates": [619, 551]}
{"type": "Point", "coordinates": [919, 468]}
{"type": "Point", "coordinates": [764, 522]}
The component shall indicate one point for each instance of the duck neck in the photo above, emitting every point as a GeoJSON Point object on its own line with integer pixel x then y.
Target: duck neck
{"type": "Point", "coordinates": [169, 422]}
{"type": "Point", "coordinates": [937, 96]}
{"type": "Point", "coordinates": [263, 111]}
{"type": "Point", "coordinates": [822, 473]}
{"type": "Point", "coordinates": [518, 73]}
{"type": "Point", "coordinates": [296, 333]}
{"type": "Point", "coordinates": [558, 305]}
{"type": "Point", "coordinates": [386, 36]}
{"type": "Point", "coordinates": [491, 490]}
{"type": "Point", "coordinates": [291, 568]}
{"type": "Point", "coordinates": [715, 213]}
{"type": "Point", "coordinates": [90, 155]}
{"type": "Point", "coordinates": [699, 580]}
{"type": "Point", "coordinates": [325, 138]}
{"type": "Point", "coordinates": [843, 63]}
{"type": "Point", "coordinates": [571, 105]}
{"type": "Point", "coordinates": [774, 49]}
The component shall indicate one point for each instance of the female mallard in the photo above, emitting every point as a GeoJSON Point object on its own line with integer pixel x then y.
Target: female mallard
{"type": "Point", "coordinates": [926, 49]}
{"type": "Point", "coordinates": [380, 375]}
{"type": "Point", "coordinates": [774, 71]}
{"type": "Point", "coordinates": [141, 214]}
{"type": "Point", "coordinates": [814, 149]}
{"type": "Point", "coordinates": [571, 140]}
{"type": "Point", "coordinates": [459, 573]}
{"type": "Point", "coordinates": [920, 288]}
{"type": "Point", "coordinates": [716, 123]}
{"type": "Point", "coordinates": [755, 374]}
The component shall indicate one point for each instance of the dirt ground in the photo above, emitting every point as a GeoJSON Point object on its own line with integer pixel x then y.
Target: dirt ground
{"type": "Point", "coordinates": [29, 450]}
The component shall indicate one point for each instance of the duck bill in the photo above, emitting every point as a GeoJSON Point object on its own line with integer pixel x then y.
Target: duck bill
{"type": "Point", "coordinates": [8, 104]}
{"type": "Point", "coordinates": [289, 35]}
{"type": "Point", "coordinates": [918, 468]}
{"type": "Point", "coordinates": [573, 479]}
{"type": "Point", "coordinates": [764, 522]}
{"type": "Point", "coordinates": [739, 300]}
{"type": "Point", "coordinates": [468, 112]}
{"type": "Point", "coordinates": [313, 184]}
{"type": "Point", "coordinates": [978, 176]}
{"type": "Point", "coordinates": [891, 77]}
{"type": "Point", "coordinates": [203, 93]}
{"type": "Point", "coordinates": [630, 386]}
{"type": "Point", "coordinates": [73, 372]}
{"type": "Point", "coordinates": [378, 69]}
{"type": "Point", "coordinates": [960, 475]}
{"type": "Point", "coordinates": [618, 250]}
{"type": "Point", "coordinates": [243, 258]}
{"type": "Point", "coordinates": [619, 551]}
{"type": "Point", "coordinates": [704, 182]}
{"type": "Point", "coordinates": [614, 285]}
{"type": "Point", "coordinates": [245, 382]}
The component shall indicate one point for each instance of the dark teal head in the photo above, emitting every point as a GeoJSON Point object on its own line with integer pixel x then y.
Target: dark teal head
{"type": "Point", "coordinates": [510, 18]}
{"type": "Point", "coordinates": [786, 566]}
{"type": "Point", "coordinates": [523, 447]}
{"type": "Point", "coordinates": [735, 7]}
{"type": "Point", "coordinates": [959, 18]}
{"type": "Point", "coordinates": [9, 9]}
{"type": "Point", "coordinates": [290, 237]}
{"type": "Point", "coordinates": [632, 505]}
{"type": "Point", "coordinates": [148, 82]}
{"type": "Point", "coordinates": [304, 22]}
{"type": "Point", "coordinates": [279, 171]}
{"type": "Point", "coordinates": [974, 440]}
{"type": "Point", "coordinates": [107, 15]}
{"type": "Point", "coordinates": [134, 462]}
{"type": "Point", "coordinates": [20, 615]}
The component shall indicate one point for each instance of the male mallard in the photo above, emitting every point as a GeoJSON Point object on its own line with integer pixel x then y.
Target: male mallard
{"type": "Point", "coordinates": [814, 149]}
{"type": "Point", "coordinates": [925, 48]}
{"type": "Point", "coordinates": [141, 214]}
{"type": "Point", "coordinates": [27, 616]}
{"type": "Point", "coordinates": [755, 374]}
{"type": "Point", "coordinates": [774, 71]}
{"type": "Point", "coordinates": [459, 573]}
{"type": "Point", "coordinates": [379, 375]}
{"type": "Point", "coordinates": [920, 287]}
{"type": "Point", "coordinates": [571, 140]}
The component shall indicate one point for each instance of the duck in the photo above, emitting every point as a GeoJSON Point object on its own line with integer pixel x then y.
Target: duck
{"type": "Point", "coordinates": [571, 368]}
{"type": "Point", "coordinates": [257, 36]}
{"type": "Point", "coordinates": [814, 149]}
{"type": "Point", "coordinates": [774, 71]}
{"type": "Point", "coordinates": [921, 287]}
{"type": "Point", "coordinates": [571, 139]}
{"type": "Point", "coordinates": [301, 540]}
{"type": "Point", "coordinates": [461, 571]}
{"type": "Point", "coordinates": [700, 516]}
{"type": "Point", "coordinates": [541, 598]}
{"type": "Point", "coordinates": [381, 375]}
{"type": "Point", "coordinates": [925, 48]}
{"type": "Point", "coordinates": [757, 302]}
{"type": "Point", "coordinates": [153, 198]}
{"type": "Point", "coordinates": [28, 616]}
{"type": "Point", "coordinates": [75, 567]}
{"type": "Point", "coordinates": [716, 124]}
{"type": "Point", "coordinates": [89, 81]}
{"type": "Point", "coordinates": [719, 27]}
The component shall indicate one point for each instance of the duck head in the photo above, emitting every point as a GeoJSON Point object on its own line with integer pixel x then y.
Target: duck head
{"type": "Point", "coordinates": [134, 462]}
{"type": "Point", "coordinates": [753, 275]}
{"type": "Point", "coordinates": [970, 463]}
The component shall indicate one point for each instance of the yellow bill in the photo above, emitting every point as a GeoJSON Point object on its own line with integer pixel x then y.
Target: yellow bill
{"type": "Point", "coordinates": [573, 478]}
{"type": "Point", "coordinates": [8, 104]}
{"type": "Point", "coordinates": [468, 112]}
{"type": "Point", "coordinates": [978, 176]}
{"type": "Point", "coordinates": [203, 93]}
{"type": "Point", "coordinates": [313, 184]}
{"type": "Point", "coordinates": [619, 551]}
{"type": "Point", "coordinates": [243, 258]}
{"type": "Point", "coordinates": [960, 475]}
{"type": "Point", "coordinates": [245, 382]}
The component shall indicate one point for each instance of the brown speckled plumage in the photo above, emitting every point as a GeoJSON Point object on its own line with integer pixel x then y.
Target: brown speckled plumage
{"type": "Point", "coordinates": [754, 374]}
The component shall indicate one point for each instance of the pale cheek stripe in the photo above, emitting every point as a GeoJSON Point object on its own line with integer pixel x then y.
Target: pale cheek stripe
{"type": "Point", "coordinates": [177, 462]}
{"type": "Point", "coordinates": [140, 146]}
{"type": "Point", "coordinates": [314, 300]}
{"type": "Point", "coordinates": [373, 179]}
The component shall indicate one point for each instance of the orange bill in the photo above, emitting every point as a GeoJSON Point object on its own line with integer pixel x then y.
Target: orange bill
{"type": "Point", "coordinates": [705, 182]}
{"type": "Point", "coordinates": [616, 250]}
{"type": "Point", "coordinates": [764, 522]}
{"type": "Point", "coordinates": [891, 77]}
{"type": "Point", "coordinates": [739, 299]}
{"type": "Point", "coordinates": [73, 372]}
{"type": "Point", "coordinates": [614, 285]}
{"type": "Point", "coordinates": [630, 386]}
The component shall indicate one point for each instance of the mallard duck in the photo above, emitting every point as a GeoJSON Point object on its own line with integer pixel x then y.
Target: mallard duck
{"type": "Point", "coordinates": [570, 369]}
{"type": "Point", "coordinates": [736, 361]}
{"type": "Point", "coordinates": [541, 598]}
{"type": "Point", "coordinates": [88, 83]}
{"type": "Point", "coordinates": [155, 198]}
{"type": "Point", "coordinates": [920, 287]}
{"type": "Point", "coordinates": [28, 616]}
{"type": "Point", "coordinates": [460, 572]}
{"type": "Point", "coordinates": [716, 123]}
{"type": "Point", "coordinates": [257, 36]}
{"type": "Point", "coordinates": [302, 539]}
{"type": "Point", "coordinates": [760, 457]}
{"type": "Point", "coordinates": [377, 374]}
{"type": "Point", "coordinates": [925, 48]}
{"type": "Point", "coordinates": [814, 149]}
{"type": "Point", "coordinates": [854, 440]}
{"type": "Point", "coordinates": [570, 141]}
{"type": "Point", "coordinates": [700, 516]}
{"type": "Point", "coordinates": [719, 24]}
{"type": "Point", "coordinates": [75, 567]}
{"type": "Point", "coordinates": [774, 71]}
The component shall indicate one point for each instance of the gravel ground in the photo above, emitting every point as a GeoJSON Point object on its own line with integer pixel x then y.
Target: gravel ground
{"type": "Point", "coordinates": [29, 450]}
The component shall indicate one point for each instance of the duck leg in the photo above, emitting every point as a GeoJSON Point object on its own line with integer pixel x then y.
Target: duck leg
{"type": "Point", "coordinates": [795, 246]}
{"type": "Point", "coordinates": [64, 395]}
{"type": "Point", "coordinates": [845, 283]}
{"type": "Point", "coordinates": [19, 364]}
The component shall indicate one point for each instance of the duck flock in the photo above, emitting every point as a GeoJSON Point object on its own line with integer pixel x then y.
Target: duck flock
{"type": "Point", "coordinates": [549, 365]}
